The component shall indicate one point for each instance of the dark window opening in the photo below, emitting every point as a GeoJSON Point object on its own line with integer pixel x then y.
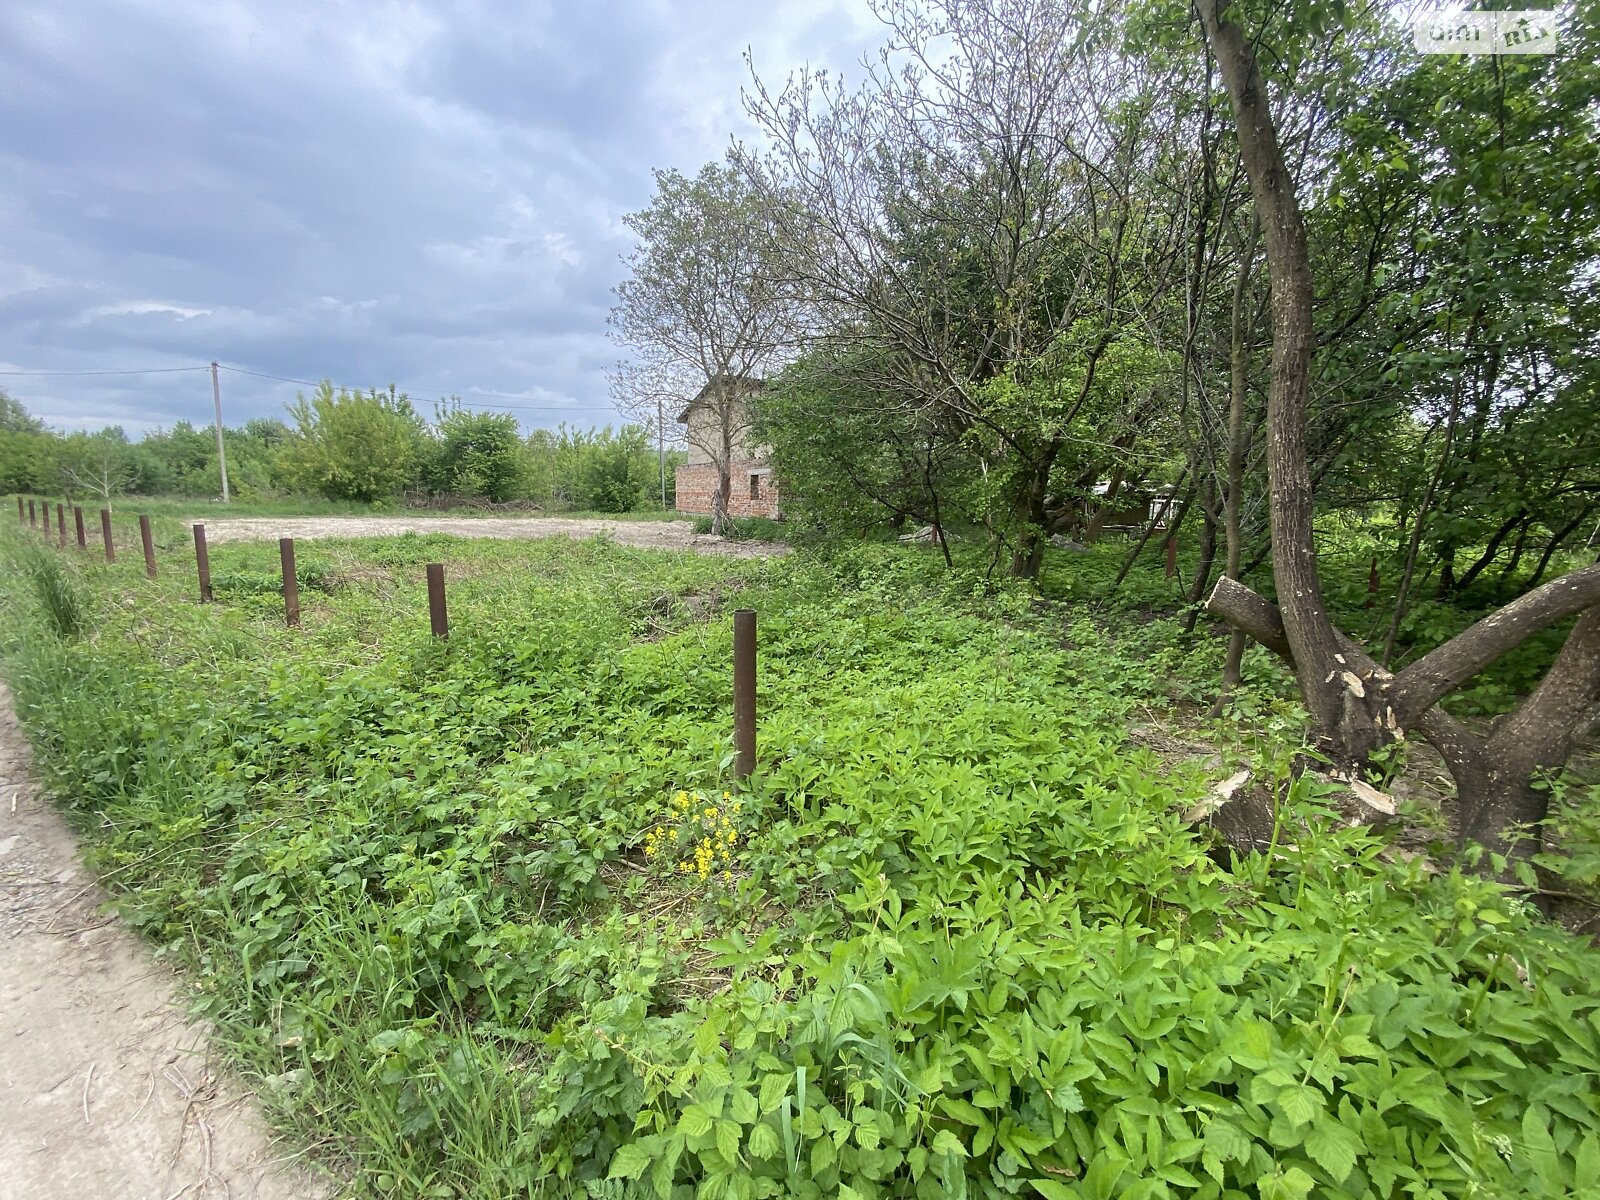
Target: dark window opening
{"type": "Point", "coordinates": [755, 487]}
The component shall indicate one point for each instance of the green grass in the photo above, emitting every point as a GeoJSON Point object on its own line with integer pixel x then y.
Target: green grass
{"type": "Point", "coordinates": [491, 918]}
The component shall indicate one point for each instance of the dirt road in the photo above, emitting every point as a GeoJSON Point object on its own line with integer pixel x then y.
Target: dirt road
{"type": "Point", "coordinates": [655, 535]}
{"type": "Point", "coordinates": [106, 1091]}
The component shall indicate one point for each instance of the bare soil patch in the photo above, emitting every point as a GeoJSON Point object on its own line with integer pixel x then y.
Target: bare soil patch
{"type": "Point", "coordinates": [109, 1091]}
{"type": "Point", "coordinates": [653, 535]}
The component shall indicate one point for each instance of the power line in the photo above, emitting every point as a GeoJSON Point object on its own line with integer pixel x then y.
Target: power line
{"type": "Point", "coordinates": [471, 398]}
{"type": "Point", "coordinates": [130, 371]}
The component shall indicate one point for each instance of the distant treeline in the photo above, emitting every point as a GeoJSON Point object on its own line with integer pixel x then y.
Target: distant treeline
{"type": "Point", "coordinates": [342, 445]}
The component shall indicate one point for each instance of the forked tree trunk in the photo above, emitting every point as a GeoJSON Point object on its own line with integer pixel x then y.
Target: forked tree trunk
{"type": "Point", "coordinates": [1537, 738]}
{"type": "Point", "coordinates": [1495, 776]}
{"type": "Point", "coordinates": [1357, 704]}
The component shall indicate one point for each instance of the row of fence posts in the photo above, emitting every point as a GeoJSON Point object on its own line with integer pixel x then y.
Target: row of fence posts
{"type": "Point", "coordinates": [744, 620]}
{"type": "Point", "coordinates": [28, 514]}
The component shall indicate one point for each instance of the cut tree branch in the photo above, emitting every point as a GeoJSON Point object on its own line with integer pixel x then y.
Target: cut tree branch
{"type": "Point", "coordinates": [1436, 674]}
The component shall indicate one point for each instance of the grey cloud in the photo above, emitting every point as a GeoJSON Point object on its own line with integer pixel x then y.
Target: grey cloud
{"type": "Point", "coordinates": [427, 193]}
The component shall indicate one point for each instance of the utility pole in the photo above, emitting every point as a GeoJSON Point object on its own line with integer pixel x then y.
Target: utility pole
{"type": "Point", "coordinates": [661, 449]}
{"type": "Point", "coordinates": [222, 455]}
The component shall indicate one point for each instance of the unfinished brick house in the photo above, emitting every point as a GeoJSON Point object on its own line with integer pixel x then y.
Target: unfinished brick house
{"type": "Point", "coordinates": [717, 424]}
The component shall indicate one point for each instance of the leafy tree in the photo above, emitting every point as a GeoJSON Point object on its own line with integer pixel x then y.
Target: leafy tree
{"type": "Point", "coordinates": [971, 212]}
{"type": "Point", "coordinates": [350, 446]}
{"type": "Point", "coordinates": [183, 456]}
{"type": "Point", "coordinates": [1357, 704]}
{"type": "Point", "coordinates": [847, 459]}
{"type": "Point", "coordinates": [478, 454]}
{"type": "Point", "coordinates": [702, 313]}
{"type": "Point", "coordinates": [16, 419]}
{"type": "Point", "coordinates": [100, 465]}
{"type": "Point", "coordinates": [617, 471]}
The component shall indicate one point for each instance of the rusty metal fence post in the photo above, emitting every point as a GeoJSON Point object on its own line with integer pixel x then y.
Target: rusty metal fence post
{"type": "Point", "coordinates": [744, 693]}
{"type": "Point", "coordinates": [77, 520]}
{"type": "Point", "coordinates": [438, 619]}
{"type": "Point", "coordinates": [105, 535]}
{"type": "Point", "coordinates": [291, 585]}
{"type": "Point", "coordinates": [61, 524]}
{"type": "Point", "coordinates": [149, 546]}
{"type": "Point", "coordinates": [202, 562]}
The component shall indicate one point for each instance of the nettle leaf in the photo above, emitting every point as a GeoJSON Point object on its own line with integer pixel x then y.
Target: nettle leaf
{"type": "Point", "coordinates": [1293, 1184]}
{"type": "Point", "coordinates": [823, 1155]}
{"type": "Point", "coordinates": [1226, 1141]}
{"type": "Point", "coordinates": [1300, 1103]}
{"type": "Point", "coordinates": [1333, 1148]}
{"type": "Point", "coordinates": [744, 1107]}
{"type": "Point", "coordinates": [729, 1135]}
{"type": "Point", "coordinates": [773, 1089]}
{"type": "Point", "coordinates": [631, 1161]}
{"type": "Point", "coordinates": [763, 1142]}
{"type": "Point", "coordinates": [695, 1122]}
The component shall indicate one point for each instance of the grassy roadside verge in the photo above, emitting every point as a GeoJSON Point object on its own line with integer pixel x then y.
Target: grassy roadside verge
{"type": "Point", "coordinates": [490, 919]}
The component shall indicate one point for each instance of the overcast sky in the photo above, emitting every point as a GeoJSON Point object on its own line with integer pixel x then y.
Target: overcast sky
{"type": "Point", "coordinates": [428, 194]}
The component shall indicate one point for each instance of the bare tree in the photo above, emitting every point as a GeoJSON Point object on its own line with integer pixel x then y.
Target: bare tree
{"type": "Point", "coordinates": [970, 211]}
{"type": "Point", "coordinates": [97, 464]}
{"type": "Point", "coordinates": [703, 314]}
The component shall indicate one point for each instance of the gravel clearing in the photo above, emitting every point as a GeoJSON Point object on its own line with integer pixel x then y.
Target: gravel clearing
{"type": "Point", "coordinates": [653, 535]}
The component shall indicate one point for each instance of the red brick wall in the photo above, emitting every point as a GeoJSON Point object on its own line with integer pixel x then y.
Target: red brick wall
{"type": "Point", "coordinates": [697, 484]}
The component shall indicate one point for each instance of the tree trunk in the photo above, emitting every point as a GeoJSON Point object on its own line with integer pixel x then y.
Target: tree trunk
{"type": "Point", "coordinates": [1238, 447]}
{"type": "Point", "coordinates": [1510, 569]}
{"type": "Point", "coordinates": [1357, 704]}
{"type": "Point", "coordinates": [1536, 738]}
{"type": "Point", "coordinates": [1092, 533]}
{"type": "Point", "coordinates": [1556, 539]}
{"type": "Point", "coordinates": [1174, 520]}
{"type": "Point", "coordinates": [1343, 714]}
{"type": "Point", "coordinates": [724, 489]}
{"type": "Point", "coordinates": [1494, 776]}
{"type": "Point", "coordinates": [1208, 554]}
{"type": "Point", "coordinates": [1031, 537]}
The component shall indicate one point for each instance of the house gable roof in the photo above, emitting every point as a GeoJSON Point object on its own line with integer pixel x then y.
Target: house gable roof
{"type": "Point", "coordinates": [749, 385]}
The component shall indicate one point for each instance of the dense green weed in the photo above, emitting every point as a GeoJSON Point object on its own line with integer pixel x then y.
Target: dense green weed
{"type": "Point", "coordinates": [954, 938]}
{"type": "Point", "coordinates": [54, 593]}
